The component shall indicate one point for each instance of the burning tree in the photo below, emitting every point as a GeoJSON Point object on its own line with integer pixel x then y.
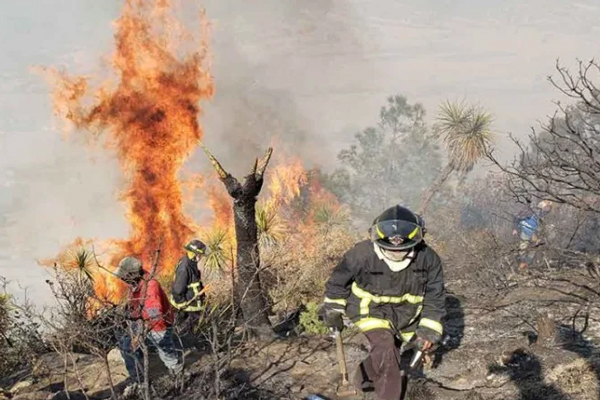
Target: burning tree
{"type": "Point", "coordinates": [253, 303]}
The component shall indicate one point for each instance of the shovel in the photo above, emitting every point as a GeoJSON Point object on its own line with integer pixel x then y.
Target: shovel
{"type": "Point", "coordinates": [346, 389]}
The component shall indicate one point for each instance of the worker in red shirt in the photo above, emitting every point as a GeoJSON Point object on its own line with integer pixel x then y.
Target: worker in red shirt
{"type": "Point", "coordinates": [149, 307]}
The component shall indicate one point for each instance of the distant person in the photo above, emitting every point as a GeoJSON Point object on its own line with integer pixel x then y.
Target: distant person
{"type": "Point", "coordinates": [392, 289]}
{"type": "Point", "coordinates": [149, 307]}
{"type": "Point", "coordinates": [187, 294]}
{"type": "Point", "coordinates": [528, 229]}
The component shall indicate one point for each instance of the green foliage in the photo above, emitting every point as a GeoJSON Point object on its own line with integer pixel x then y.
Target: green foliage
{"type": "Point", "coordinates": [271, 229]}
{"type": "Point", "coordinates": [309, 320]}
{"type": "Point", "coordinates": [218, 248]}
{"type": "Point", "coordinates": [391, 163]}
{"type": "Point", "coordinates": [465, 130]}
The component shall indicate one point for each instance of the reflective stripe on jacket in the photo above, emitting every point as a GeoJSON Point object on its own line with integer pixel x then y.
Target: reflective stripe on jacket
{"type": "Point", "coordinates": [376, 297]}
{"type": "Point", "coordinates": [187, 286]}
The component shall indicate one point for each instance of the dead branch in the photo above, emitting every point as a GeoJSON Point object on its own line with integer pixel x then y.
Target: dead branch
{"type": "Point", "coordinates": [216, 164]}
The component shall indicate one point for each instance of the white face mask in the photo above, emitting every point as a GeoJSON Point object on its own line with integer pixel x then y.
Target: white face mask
{"type": "Point", "coordinates": [395, 255]}
{"type": "Point", "coordinates": [400, 260]}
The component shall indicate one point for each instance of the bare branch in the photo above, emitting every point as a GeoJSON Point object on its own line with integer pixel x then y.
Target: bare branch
{"type": "Point", "coordinates": [263, 163]}
{"type": "Point", "coordinates": [216, 164]}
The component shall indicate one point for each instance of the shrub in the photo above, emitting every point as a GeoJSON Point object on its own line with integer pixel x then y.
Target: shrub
{"type": "Point", "coordinates": [309, 320]}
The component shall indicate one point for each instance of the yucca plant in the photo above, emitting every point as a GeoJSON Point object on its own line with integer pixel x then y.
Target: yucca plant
{"type": "Point", "coordinates": [465, 131]}
{"type": "Point", "coordinates": [219, 250]}
{"type": "Point", "coordinates": [271, 229]}
{"type": "Point", "coordinates": [78, 263]}
{"type": "Point", "coordinates": [83, 260]}
{"type": "Point", "coordinates": [329, 213]}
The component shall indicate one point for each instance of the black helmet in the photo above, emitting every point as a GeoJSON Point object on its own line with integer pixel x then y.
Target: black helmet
{"type": "Point", "coordinates": [196, 247]}
{"type": "Point", "coordinates": [397, 228]}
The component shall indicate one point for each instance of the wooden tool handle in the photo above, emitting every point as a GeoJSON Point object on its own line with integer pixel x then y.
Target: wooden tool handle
{"type": "Point", "coordinates": [341, 357]}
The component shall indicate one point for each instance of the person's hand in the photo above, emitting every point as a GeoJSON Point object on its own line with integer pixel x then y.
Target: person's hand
{"type": "Point", "coordinates": [424, 344]}
{"type": "Point", "coordinates": [331, 317]}
{"type": "Point", "coordinates": [335, 321]}
{"type": "Point", "coordinates": [515, 232]}
{"type": "Point", "coordinates": [426, 338]}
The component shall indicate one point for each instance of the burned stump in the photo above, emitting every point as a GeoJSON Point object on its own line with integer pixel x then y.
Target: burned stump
{"type": "Point", "coordinates": [249, 293]}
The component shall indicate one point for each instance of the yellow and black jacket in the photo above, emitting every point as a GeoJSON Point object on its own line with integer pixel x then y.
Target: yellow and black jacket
{"type": "Point", "coordinates": [186, 286]}
{"type": "Point", "coordinates": [373, 296]}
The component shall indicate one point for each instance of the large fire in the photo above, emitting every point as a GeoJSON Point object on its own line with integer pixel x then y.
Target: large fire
{"type": "Point", "coordinates": [149, 116]}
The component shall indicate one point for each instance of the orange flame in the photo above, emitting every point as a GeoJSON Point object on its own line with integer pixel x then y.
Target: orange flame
{"type": "Point", "coordinates": [150, 118]}
{"type": "Point", "coordinates": [286, 180]}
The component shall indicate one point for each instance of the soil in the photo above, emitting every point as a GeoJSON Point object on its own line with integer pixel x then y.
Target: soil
{"type": "Point", "coordinates": [493, 351]}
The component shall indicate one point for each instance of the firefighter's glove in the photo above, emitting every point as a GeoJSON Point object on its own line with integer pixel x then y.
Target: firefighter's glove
{"type": "Point", "coordinates": [428, 335]}
{"type": "Point", "coordinates": [331, 316]}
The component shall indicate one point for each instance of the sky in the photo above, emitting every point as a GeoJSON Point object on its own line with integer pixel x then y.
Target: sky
{"type": "Point", "coordinates": [310, 73]}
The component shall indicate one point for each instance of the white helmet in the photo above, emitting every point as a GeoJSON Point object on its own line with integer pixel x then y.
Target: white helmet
{"type": "Point", "coordinates": [545, 206]}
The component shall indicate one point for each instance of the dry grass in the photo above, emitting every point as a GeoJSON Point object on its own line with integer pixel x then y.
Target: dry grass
{"type": "Point", "coordinates": [296, 269]}
{"type": "Point", "coordinates": [577, 379]}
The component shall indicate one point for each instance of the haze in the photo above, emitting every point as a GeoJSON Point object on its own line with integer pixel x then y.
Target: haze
{"type": "Point", "coordinates": [310, 74]}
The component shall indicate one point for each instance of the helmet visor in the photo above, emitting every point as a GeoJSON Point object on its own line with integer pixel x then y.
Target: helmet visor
{"type": "Point", "coordinates": [396, 234]}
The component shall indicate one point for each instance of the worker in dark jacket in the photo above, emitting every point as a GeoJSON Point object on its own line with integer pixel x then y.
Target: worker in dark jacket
{"type": "Point", "coordinates": [391, 287]}
{"type": "Point", "coordinates": [187, 293]}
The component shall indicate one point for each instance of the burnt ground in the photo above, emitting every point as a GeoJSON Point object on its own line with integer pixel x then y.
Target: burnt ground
{"type": "Point", "coordinates": [496, 349]}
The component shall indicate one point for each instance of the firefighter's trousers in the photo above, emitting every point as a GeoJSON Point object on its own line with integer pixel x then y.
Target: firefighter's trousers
{"type": "Point", "coordinates": [381, 368]}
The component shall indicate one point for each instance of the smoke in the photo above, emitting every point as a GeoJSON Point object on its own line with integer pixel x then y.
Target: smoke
{"type": "Point", "coordinates": [269, 56]}
{"type": "Point", "coordinates": [309, 73]}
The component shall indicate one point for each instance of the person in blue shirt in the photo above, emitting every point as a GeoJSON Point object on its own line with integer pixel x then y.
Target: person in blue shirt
{"type": "Point", "coordinates": [528, 228]}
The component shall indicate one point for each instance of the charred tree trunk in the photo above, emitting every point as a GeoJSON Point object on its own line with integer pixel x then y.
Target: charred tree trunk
{"type": "Point", "coordinates": [435, 187]}
{"type": "Point", "coordinates": [248, 288]}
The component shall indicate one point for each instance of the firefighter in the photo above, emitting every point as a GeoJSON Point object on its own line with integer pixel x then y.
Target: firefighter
{"type": "Point", "coordinates": [152, 314]}
{"type": "Point", "coordinates": [528, 228]}
{"type": "Point", "coordinates": [391, 287]}
{"type": "Point", "coordinates": [187, 290]}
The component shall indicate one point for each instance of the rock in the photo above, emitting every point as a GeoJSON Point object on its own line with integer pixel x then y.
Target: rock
{"type": "Point", "coordinates": [32, 396]}
{"type": "Point", "coordinates": [115, 355]}
{"type": "Point", "coordinates": [19, 386]}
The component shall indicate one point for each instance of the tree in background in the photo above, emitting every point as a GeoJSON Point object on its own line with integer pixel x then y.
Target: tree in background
{"type": "Point", "coordinates": [465, 131]}
{"type": "Point", "coordinates": [561, 161]}
{"type": "Point", "coordinates": [391, 163]}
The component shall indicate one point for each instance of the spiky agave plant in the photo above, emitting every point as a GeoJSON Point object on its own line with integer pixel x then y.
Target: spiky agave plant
{"type": "Point", "coordinates": [271, 229]}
